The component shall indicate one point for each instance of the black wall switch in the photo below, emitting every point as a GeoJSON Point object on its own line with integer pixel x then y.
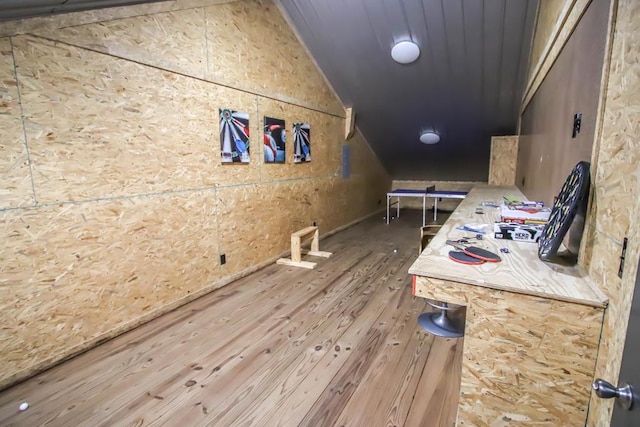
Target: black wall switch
{"type": "Point", "coordinates": [223, 259]}
{"type": "Point", "coordinates": [577, 122]}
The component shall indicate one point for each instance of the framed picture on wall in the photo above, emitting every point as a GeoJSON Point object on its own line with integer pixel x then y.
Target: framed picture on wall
{"type": "Point", "coordinates": [274, 140]}
{"type": "Point", "coordinates": [301, 142]}
{"type": "Point", "coordinates": [234, 136]}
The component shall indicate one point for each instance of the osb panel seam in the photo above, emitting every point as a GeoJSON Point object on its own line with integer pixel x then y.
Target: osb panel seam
{"type": "Point", "coordinates": [16, 164]}
{"type": "Point", "coordinates": [615, 206]}
{"type": "Point", "coordinates": [172, 192]}
{"type": "Point", "coordinates": [60, 357]}
{"type": "Point", "coordinates": [74, 19]}
{"type": "Point", "coordinates": [182, 74]}
{"type": "Point", "coordinates": [565, 28]}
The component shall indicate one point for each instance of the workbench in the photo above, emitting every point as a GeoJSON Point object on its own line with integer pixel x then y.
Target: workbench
{"type": "Point", "coordinates": [531, 330]}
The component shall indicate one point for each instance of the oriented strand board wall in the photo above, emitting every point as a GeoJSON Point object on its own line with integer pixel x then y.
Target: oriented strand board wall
{"type": "Point", "coordinates": [513, 361]}
{"type": "Point", "coordinates": [547, 151]}
{"type": "Point", "coordinates": [504, 155]}
{"type": "Point", "coordinates": [555, 24]}
{"type": "Point", "coordinates": [616, 202]}
{"type": "Point", "coordinates": [616, 192]}
{"type": "Point", "coordinates": [116, 207]}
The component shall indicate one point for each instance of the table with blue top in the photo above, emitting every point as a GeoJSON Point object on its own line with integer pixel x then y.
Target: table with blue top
{"type": "Point", "coordinates": [424, 194]}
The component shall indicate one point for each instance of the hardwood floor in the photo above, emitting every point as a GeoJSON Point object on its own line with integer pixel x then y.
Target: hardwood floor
{"type": "Point", "coordinates": [338, 345]}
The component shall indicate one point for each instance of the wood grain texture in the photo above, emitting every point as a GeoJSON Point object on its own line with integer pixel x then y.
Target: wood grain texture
{"type": "Point", "coordinates": [248, 32]}
{"type": "Point", "coordinates": [283, 346]}
{"type": "Point", "coordinates": [157, 39]}
{"type": "Point", "coordinates": [349, 123]}
{"type": "Point", "coordinates": [564, 16]}
{"type": "Point", "coordinates": [102, 127]}
{"type": "Point", "coordinates": [526, 359]}
{"type": "Point", "coordinates": [519, 271]}
{"type": "Point", "coordinates": [504, 157]}
{"type": "Point", "coordinates": [68, 270]}
{"type": "Point", "coordinates": [124, 143]}
{"type": "Point", "coordinates": [614, 209]}
{"type": "Point", "coordinates": [326, 137]}
{"type": "Point", "coordinates": [551, 14]}
{"type": "Point", "coordinates": [615, 184]}
{"type": "Point", "coordinates": [56, 22]}
{"type": "Point", "coordinates": [14, 162]}
{"type": "Point", "coordinates": [548, 152]}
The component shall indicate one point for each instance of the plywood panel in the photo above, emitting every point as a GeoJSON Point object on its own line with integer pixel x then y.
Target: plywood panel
{"type": "Point", "coordinates": [77, 272]}
{"type": "Point", "coordinates": [504, 156]}
{"type": "Point", "coordinates": [256, 221]}
{"type": "Point", "coordinates": [326, 141]}
{"type": "Point", "coordinates": [343, 201]}
{"type": "Point", "coordinates": [174, 41]}
{"type": "Point", "coordinates": [547, 150]}
{"type": "Point", "coordinates": [560, 18]}
{"type": "Point", "coordinates": [519, 271]}
{"type": "Point", "coordinates": [516, 369]}
{"type": "Point", "coordinates": [550, 16]}
{"type": "Point", "coordinates": [126, 165]}
{"type": "Point", "coordinates": [245, 33]}
{"type": "Point", "coordinates": [14, 164]}
{"type": "Point", "coordinates": [615, 205]}
{"type": "Point", "coordinates": [34, 25]}
{"type": "Point", "coordinates": [102, 127]}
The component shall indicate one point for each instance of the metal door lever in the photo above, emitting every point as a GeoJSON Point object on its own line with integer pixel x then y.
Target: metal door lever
{"type": "Point", "coordinates": [606, 390]}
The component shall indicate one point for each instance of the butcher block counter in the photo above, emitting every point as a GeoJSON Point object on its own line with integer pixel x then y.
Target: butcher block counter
{"type": "Point", "coordinates": [531, 329]}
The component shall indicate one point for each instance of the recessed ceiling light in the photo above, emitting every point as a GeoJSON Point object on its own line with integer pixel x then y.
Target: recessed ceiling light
{"type": "Point", "coordinates": [429, 138]}
{"type": "Point", "coordinates": [405, 52]}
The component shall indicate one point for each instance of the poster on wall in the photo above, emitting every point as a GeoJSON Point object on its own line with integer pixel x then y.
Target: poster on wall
{"type": "Point", "coordinates": [301, 142]}
{"type": "Point", "coordinates": [234, 136]}
{"type": "Point", "coordinates": [274, 140]}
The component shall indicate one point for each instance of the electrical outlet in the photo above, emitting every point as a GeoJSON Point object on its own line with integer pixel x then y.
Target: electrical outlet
{"type": "Point", "coordinates": [577, 123]}
{"type": "Point", "coordinates": [223, 259]}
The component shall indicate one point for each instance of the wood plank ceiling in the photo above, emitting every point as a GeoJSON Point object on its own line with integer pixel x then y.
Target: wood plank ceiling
{"type": "Point", "coordinates": [466, 85]}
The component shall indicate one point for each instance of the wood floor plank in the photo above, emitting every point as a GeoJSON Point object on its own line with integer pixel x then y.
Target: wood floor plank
{"type": "Point", "coordinates": [369, 403]}
{"type": "Point", "coordinates": [269, 354]}
{"type": "Point", "coordinates": [308, 380]}
{"type": "Point", "coordinates": [320, 327]}
{"type": "Point", "coordinates": [338, 345]}
{"type": "Point", "coordinates": [266, 319]}
{"type": "Point", "coordinates": [436, 392]}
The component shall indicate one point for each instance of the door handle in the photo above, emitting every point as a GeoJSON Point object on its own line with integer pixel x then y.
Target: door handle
{"type": "Point", "coordinates": [606, 390]}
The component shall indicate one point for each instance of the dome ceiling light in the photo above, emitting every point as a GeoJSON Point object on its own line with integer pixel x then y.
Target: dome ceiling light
{"type": "Point", "coordinates": [429, 138]}
{"type": "Point", "coordinates": [405, 52]}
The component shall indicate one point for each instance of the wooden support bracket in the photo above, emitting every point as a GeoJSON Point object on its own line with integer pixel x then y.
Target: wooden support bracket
{"type": "Point", "coordinates": [296, 248]}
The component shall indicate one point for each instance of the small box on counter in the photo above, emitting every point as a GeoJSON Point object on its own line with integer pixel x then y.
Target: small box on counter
{"type": "Point", "coordinates": [525, 215]}
{"type": "Point", "coordinates": [518, 232]}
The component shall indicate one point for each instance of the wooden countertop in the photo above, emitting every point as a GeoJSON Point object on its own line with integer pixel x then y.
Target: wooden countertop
{"type": "Point", "coordinates": [519, 271]}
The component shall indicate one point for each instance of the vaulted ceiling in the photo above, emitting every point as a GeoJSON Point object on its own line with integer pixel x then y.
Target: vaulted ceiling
{"type": "Point", "coordinates": [466, 84]}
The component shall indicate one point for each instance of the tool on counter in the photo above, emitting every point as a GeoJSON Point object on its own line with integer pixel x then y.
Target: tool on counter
{"type": "Point", "coordinates": [463, 258]}
{"type": "Point", "coordinates": [474, 251]}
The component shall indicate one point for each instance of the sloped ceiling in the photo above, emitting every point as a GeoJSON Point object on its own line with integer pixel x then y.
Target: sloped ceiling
{"type": "Point", "coordinates": [466, 85]}
{"type": "Point", "coordinates": [18, 9]}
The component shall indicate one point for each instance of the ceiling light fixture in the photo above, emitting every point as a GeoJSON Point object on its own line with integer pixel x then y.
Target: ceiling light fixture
{"type": "Point", "coordinates": [405, 52]}
{"type": "Point", "coordinates": [429, 138]}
